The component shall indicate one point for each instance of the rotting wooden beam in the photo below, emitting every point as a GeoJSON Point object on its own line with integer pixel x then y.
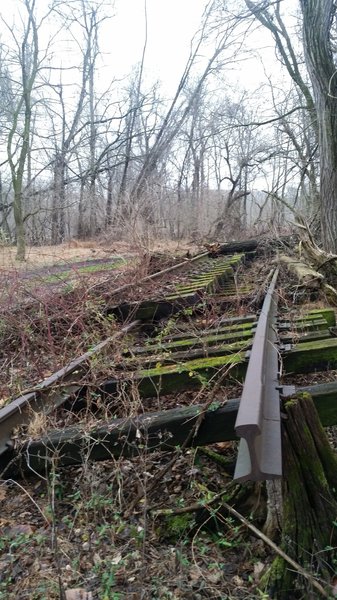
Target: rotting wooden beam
{"type": "Point", "coordinates": [214, 338]}
{"type": "Point", "coordinates": [306, 275]}
{"type": "Point", "coordinates": [324, 396]}
{"type": "Point", "coordinates": [46, 396]}
{"type": "Point", "coordinates": [223, 324]}
{"type": "Point", "coordinates": [305, 325]}
{"type": "Point", "coordinates": [151, 361]}
{"type": "Point", "coordinates": [163, 378]}
{"type": "Point", "coordinates": [313, 356]}
{"type": "Point", "coordinates": [181, 294]}
{"type": "Point", "coordinates": [241, 246]}
{"type": "Point", "coordinates": [165, 431]}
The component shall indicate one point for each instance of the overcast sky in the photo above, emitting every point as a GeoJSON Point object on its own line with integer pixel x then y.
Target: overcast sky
{"type": "Point", "coordinates": [171, 26]}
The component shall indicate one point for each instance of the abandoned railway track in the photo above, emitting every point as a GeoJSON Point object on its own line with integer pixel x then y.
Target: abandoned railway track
{"type": "Point", "coordinates": [186, 335]}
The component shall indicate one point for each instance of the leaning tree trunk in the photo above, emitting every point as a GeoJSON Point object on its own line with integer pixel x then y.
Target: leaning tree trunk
{"type": "Point", "coordinates": [318, 19]}
{"type": "Point", "coordinates": [309, 533]}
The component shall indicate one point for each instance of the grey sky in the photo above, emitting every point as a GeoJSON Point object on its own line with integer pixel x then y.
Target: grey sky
{"type": "Point", "coordinates": [171, 25]}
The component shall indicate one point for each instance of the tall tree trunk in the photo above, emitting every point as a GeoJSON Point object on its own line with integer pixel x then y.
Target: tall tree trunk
{"type": "Point", "coordinates": [108, 214]}
{"type": "Point", "coordinates": [58, 201]}
{"type": "Point", "coordinates": [80, 227]}
{"type": "Point", "coordinates": [19, 223]}
{"type": "Point", "coordinates": [317, 23]}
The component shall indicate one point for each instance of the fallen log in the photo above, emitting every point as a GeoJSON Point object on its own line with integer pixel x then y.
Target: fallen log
{"type": "Point", "coordinates": [241, 246]}
{"type": "Point", "coordinates": [306, 275]}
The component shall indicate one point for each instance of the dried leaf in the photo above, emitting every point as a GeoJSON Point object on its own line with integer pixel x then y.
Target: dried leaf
{"type": "Point", "coordinates": [117, 559]}
{"type": "Point", "coordinates": [19, 529]}
{"type": "Point", "coordinates": [3, 492]}
{"type": "Point", "coordinates": [213, 576]}
{"type": "Point", "coordinates": [195, 574]}
{"type": "Point", "coordinates": [78, 594]}
{"type": "Point", "coordinates": [237, 581]}
{"type": "Point", "coordinates": [258, 568]}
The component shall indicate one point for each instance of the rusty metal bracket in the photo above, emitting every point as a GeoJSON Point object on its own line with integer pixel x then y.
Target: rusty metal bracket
{"type": "Point", "coordinates": [258, 422]}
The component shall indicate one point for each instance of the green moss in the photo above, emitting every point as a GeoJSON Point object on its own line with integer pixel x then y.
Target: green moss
{"type": "Point", "coordinates": [303, 395]}
{"type": "Point", "coordinates": [290, 403]}
{"type": "Point", "coordinates": [189, 375]}
{"type": "Point", "coordinates": [194, 365]}
{"type": "Point", "coordinates": [196, 341]}
{"type": "Point", "coordinates": [175, 526]}
{"type": "Point", "coordinates": [325, 313]}
{"type": "Point", "coordinates": [312, 356]}
{"type": "Point", "coordinates": [235, 327]}
{"type": "Point", "coordinates": [183, 295]}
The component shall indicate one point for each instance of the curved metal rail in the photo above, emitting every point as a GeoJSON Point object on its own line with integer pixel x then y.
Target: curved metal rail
{"type": "Point", "coordinates": [258, 422]}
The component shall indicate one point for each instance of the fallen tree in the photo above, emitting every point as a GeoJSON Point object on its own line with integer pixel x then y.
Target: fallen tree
{"type": "Point", "coordinates": [306, 275]}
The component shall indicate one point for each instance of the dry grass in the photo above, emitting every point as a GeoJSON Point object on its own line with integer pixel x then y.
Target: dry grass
{"type": "Point", "coordinates": [73, 251]}
{"type": "Point", "coordinates": [39, 256]}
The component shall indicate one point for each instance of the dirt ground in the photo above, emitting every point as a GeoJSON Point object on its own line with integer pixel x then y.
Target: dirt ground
{"type": "Point", "coordinates": [74, 251]}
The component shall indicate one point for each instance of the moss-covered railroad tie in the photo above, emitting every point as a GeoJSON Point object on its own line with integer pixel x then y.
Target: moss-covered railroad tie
{"type": "Point", "coordinates": [209, 277]}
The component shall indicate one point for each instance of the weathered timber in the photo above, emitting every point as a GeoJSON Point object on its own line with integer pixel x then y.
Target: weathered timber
{"type": "Point", "coordinates": [47, 396]}
{"type": "Point", "coordinates": [147, 361]}
{"type": "Point", "coordinates": [301, 326]}
{"type": "Point", "coordinates": [243, 246]}
{"type": "Point", "coordinates": [179, 266]}
{"type": "Point", "coordinates": [181, 294]}
{"type": "Point", "coordinates": [154, 309]}
{"type": "Point", "coordinates": [324, 313]}
{"type": "Point", "coordinates": [190, 374]}
{"type": "Point", "coordinates": [312, 356]}
{"type": "Point", "coordinates": [309, 534]}
{"type": "Point", "coordinates": [165, 378]}
{"type": "Point", "coordinates": [222, 325]}
{"type": "Point", "coordinates": [128, 437]}
{"type": "Point", "coordinates": [305, 274]}
{"type": "Point", "coordinates": [164, 430]}
{"type": "Point", "coordinates": [215, 337]}
{"type": "Point", "coordinates": [327, 314]}
{"type": "Point", "coordinates": [324, 396]}
{"type": "Point", "coordinates": [307, 336]}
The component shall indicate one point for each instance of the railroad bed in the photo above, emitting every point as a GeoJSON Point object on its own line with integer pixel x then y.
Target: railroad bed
{"type": "Point", "coordinates": [206, 326]}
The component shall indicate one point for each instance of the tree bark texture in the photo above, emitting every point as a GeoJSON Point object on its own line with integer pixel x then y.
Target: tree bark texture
{"type": "Point", "coordinates": [309, 502]}
{"type": "Point", "coordinates": [318, 19]}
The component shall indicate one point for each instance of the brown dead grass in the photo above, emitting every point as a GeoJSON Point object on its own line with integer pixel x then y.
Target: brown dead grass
{"type": "Point", "coordinates": [74, 250]}
{"type": "Point", "coordinates": [39, 256]}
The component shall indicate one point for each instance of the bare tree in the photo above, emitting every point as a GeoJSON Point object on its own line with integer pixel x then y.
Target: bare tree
{"type": "Point", "coordinates": [318, 20]}
{"type": "Point", "coordinates": [19, 132]}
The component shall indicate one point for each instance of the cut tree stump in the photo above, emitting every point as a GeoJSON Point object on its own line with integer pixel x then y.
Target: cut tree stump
{"type": "Point", "coordinates": [309, 532]}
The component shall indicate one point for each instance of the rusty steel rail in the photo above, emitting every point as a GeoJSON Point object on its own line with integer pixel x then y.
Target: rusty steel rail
{"type": "Point", "coordinates": [48, 395]}
{"type": "Point", "coordinates": [258, 422]}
